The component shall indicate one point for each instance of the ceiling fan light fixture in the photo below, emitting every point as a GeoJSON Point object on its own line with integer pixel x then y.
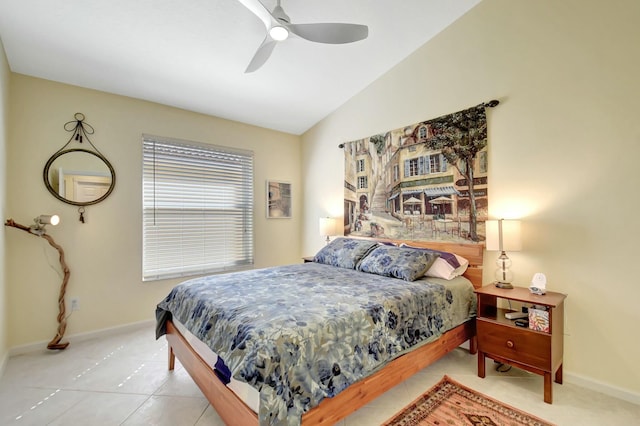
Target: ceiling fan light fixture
{"type": "Point", "coordinates": [279, 27]}
{"type": "Point", "coordinates": [279, 33]}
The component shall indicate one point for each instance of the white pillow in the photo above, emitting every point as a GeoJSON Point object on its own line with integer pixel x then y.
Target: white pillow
{"type": "Point", "coordinates": [442, 269]}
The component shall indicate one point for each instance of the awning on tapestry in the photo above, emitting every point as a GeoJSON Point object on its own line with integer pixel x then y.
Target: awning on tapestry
{"type": "Point", "coordinates": [441, 190]}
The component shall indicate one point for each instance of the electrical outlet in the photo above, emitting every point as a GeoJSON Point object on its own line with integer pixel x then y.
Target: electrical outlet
{"type": "Point", "coordinates": [75, 304]}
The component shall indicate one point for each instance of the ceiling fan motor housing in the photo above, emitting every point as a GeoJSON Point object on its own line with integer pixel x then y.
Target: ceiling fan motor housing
{"type": "Point", "coordinates": [278, 13]}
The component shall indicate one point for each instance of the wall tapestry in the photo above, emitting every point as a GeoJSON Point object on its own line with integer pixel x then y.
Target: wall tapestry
{"type": "Point", "coordinates": [427, 181]}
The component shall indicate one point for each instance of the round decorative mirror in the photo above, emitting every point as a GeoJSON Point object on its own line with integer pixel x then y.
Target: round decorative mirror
{"type": "Point", "coordinates": [79, 176]}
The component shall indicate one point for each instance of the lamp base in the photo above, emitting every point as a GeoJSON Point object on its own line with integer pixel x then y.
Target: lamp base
{"type": "Point", "coordinates": [503, 285]}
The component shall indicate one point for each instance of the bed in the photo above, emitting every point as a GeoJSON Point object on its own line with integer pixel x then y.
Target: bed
{"type": "Point", "coordinates": [311, 343]}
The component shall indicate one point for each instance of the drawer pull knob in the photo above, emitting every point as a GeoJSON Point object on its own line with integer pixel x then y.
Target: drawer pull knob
{"type": "Point", "coordinates": [510, 344]}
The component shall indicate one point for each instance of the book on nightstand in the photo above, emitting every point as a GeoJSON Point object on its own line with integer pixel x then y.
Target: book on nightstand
{"type": "Point", "coordinates": [539, 320]}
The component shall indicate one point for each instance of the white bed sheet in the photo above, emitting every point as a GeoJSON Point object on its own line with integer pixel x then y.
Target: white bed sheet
{"type": "Point", "coordinates": [249, 395]}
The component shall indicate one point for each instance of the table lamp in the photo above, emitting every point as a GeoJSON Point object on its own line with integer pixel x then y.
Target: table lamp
{"type": "Point", "coordinates": [503, 235]}
{"type": "Point", "coordinates": [327, 227]}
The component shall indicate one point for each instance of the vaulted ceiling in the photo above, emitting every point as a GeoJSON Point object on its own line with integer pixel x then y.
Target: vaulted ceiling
{"type": "Point", "coordinates": [192, 54]}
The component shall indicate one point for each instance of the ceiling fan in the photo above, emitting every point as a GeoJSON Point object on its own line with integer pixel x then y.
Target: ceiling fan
{"type": "Point", "coordinates": [279, 27]}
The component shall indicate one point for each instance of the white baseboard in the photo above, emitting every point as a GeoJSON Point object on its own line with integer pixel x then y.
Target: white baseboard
{"type": "Point", "coordinates": [3, 363]}
{"type": "Point", "coordinates": [614, 391]}
{"type": "Point", "coordinates": [79, 337]}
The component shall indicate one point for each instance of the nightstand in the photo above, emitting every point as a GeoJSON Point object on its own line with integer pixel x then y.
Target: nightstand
{"type": "Point", "coordinates": [308, 259]}
{"type": "Point", "coordinates": [539, 352]}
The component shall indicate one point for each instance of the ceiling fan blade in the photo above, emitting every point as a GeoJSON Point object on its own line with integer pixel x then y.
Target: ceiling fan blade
{"type": "Point", "coordinates": [260, 11]}
{"type": "Point", "coordinates": [332, 33]}
{"type": "Point", "coordinates": [262, 54]}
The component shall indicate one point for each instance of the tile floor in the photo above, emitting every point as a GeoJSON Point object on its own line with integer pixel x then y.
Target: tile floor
{"type": "Point", "coordinates": [123, 380]}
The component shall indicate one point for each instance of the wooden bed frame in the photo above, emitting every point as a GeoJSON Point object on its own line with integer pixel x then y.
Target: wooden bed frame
{"type": "Point", "coordinates": [331, 410]}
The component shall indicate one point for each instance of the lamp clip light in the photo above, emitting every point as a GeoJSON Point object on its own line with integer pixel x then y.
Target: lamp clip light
{"type": "Point", "coordinates": [41, 221]}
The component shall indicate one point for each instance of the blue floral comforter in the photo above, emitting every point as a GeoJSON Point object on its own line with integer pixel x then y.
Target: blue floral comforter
{"type": "Point", "coordinates": [304, 332]}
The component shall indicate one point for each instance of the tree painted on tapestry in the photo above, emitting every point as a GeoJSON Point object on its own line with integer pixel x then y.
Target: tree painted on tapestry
{"type": "Point", "coordinates": [426, 181]}
{"type": "Point", "coordinates": [461, 136]}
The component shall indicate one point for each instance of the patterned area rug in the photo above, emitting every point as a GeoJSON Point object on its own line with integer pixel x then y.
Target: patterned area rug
{"type": "Point", "coordinates": [450, 403]}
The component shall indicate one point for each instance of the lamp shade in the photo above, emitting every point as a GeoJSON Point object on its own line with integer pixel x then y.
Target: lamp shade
{"type": "Point", "coordinates": [503, 235]}
{"type": "Point", "coordinates": [327, 226]}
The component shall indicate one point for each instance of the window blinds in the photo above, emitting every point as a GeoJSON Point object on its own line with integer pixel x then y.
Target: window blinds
{"type": "Point", "coordinates": [197, 208]}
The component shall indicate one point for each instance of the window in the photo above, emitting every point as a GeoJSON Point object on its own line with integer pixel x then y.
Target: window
{"type": "Point", "coordinates": [362, 182]}
{"type": "Point", "coordinates": [437, 163]}
{"type": "Point", "coordinates": [360, 165]}
{"type": "Point", "coordinates": [197, 208]}
{"type": "Point", "coordinates": [412, 167]}
{"type": "Point", "coordinates": [425, 165]}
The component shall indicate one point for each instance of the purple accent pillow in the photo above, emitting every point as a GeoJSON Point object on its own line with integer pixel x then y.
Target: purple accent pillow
{"type": "Point", "coordinates": [449, 257]}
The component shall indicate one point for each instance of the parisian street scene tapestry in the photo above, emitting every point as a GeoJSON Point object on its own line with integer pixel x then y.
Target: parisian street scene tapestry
{"type": "Point", "coordinates": [426, 181]}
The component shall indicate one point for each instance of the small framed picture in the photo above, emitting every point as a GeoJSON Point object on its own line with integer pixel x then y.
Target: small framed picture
{"type": "Point", "coordinates": [278, 200]}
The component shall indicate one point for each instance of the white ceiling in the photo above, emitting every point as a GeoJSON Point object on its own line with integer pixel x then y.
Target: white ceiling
{"type": "Point", "coordinates": [192, 54]}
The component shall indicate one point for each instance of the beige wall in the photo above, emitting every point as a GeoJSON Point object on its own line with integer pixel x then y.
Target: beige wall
{"type": "Point", "coordinates": [564, 148]}
{"type": "Point", "coordinates": [104, 254]}
{"type": "Point", "coordinates": [4, 120]}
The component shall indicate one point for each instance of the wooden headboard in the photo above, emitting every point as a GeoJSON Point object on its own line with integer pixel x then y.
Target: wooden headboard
{"type": "Point", "coordinates": [472, 252]}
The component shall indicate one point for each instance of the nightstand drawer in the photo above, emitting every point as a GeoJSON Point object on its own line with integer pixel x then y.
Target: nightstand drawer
{"type": "Point", "coordinates": [511, 343]}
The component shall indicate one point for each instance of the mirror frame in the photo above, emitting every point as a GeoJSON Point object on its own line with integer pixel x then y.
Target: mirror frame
{"type": "Point", "coordinates": [45, 176]}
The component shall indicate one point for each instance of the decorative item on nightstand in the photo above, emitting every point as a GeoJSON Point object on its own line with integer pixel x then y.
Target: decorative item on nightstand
{"type": "Point", "coordinates": [327, 227]}
{"type": "Point", "coordinates": [538, 284]}
{"type": "Point", "coordinates": [503, 235]}
{"type": "Point", "coordinates": [539, 319]}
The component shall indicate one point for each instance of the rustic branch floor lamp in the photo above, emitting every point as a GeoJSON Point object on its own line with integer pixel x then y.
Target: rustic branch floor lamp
{"type": "Point", "coordinates": [38, 229]}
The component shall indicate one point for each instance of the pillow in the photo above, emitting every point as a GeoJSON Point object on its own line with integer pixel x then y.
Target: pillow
{"type": "Point", "coordinates": [344, 252]}
{"type": "Point", "coordinates": [449, 257]}
{"type": "Point", "coordinates": [447, 266]}
{"type": "Point", "coordinates": [404, 263]}
{"type": "Point", "coordinates": [443, 269]}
